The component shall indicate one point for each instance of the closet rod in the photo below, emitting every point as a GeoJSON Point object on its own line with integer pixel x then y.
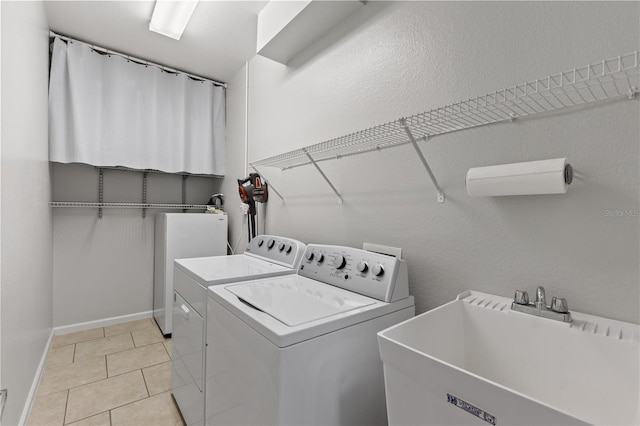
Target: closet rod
{"type": "Point", "coordinates": [135, 59]}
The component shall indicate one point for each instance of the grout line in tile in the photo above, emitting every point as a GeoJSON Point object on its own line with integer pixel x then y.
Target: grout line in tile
{"type": "Point", "coordinates": [141, 368]}
{"type": "Point", "coordinates": [110, 422]}
{"type": "Point", "coordinates": [83, 384]}
{"type": "Point", "coordinates": [123, 405]}
{"type": "Point", "coordinates": [128, 331]}
{"type": "Point", "coordinates": [128, 372]}
{"type": "Point", "coordinates": [82, 341]}
{"type": "Point", "coordinates": [73, 360]}
{"type": "Point", "coordinates": [142, 346]}
{"type": "Point", "coordinates": [66, 404]}
{"type": "Point", "coordinates": [145, 382]}
{"type": "Point", "coordinates": [75, 343]}
{"type": "Point", "coordinates": [84, 418]}
{"type": "Point", "coordinates": [111, 353]}
{"type": "Point", "coordinates": [131, 402]}
{"type": "Point", "coordinates": [165, 349]}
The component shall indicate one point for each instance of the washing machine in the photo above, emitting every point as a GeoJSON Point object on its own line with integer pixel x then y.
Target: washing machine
{"type": "Point", "coordinates": [301, 349]}
{"type": "Point", "coordinates": [265, 256]}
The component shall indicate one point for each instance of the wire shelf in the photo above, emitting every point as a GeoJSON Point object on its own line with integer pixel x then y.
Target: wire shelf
{"type": "Point", "coordinates": [76, 204]}
{"type": "Point", "coordinates": [609, 79]}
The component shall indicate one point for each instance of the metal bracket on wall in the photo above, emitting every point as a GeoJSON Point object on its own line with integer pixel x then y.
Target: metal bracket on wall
{"type": "Point", "coordinates": [144, 193]}
{"type": "Point", "coordinates": [184, 191]}
{"type": "Point", "coordinates": [323, 175]}
{"type": "Point", "coordinates": [271, 188]}
{"type": "Point", "coordinates": [413, 141]}
{"type": "Point", "coordinates": [100, 192]}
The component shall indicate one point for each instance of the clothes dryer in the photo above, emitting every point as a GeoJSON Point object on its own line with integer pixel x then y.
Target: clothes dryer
{"type": "Point", "coordinates": [266, 256]}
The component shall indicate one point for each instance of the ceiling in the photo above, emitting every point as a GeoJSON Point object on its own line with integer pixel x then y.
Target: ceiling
{"type": "Point", "coordinates": [219, 39]}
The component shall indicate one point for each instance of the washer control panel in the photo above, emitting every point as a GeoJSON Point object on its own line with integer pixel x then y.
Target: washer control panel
{"type": "Point", "coordinates": [371, 274]}
{"type": "Point", "coordinates": [281, 250]}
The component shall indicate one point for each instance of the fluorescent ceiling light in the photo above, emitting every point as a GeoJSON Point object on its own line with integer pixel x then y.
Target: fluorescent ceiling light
{"type": "Point", "coordinates": [170, 17]}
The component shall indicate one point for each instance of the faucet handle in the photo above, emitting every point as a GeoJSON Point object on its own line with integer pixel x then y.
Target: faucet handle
{"type": "Point", "coordinates": [560, 305]}
{"type": "Point", "coordinates": [521, 297]}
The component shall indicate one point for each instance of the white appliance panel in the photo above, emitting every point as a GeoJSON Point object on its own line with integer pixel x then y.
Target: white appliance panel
{"type": "Point", "coordinates": [302, 349]}
{"type": "Point", "coordinates": [283, 335]}
{"type": "Point", "coordinates": [266, 256]}
{"type": "Point", "coordinates": [333, 379]}
{"type": "Point", "coordinates": [181, 235]}
{"type": "Point", "coordinates": [228, 269]}
{"type": "Point", "coordinates": [187, 357]}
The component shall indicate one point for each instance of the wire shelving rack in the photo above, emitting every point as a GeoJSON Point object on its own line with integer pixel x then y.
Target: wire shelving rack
{"type": "Point", "coordinates": [616, 78]}
{"type": "Point", "coordinates": [101, 204]}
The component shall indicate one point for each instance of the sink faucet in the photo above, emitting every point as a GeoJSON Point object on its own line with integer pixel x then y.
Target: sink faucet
{"type": "Point", "coordinates": [558, 310]}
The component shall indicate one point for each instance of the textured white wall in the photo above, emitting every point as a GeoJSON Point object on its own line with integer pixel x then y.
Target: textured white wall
{"type": "Point", "coordinates": [26, 320]}
{"type": "Point", "coordinates": [235, 156]}
{"type": "Point", "coordinates": [103, 268]}
{"type": "Point", "coordinates": [394, 59]}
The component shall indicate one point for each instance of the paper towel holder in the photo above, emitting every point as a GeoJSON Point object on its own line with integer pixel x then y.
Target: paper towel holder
{"type": "Point", "coordinates": [528, 178]}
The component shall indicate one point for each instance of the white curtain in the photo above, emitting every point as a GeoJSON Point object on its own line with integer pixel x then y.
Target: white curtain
{"type": "Point", "coordinates": [108, 111]}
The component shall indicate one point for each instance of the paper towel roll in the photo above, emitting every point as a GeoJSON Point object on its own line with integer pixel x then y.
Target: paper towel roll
{"type": "Point", "coordinates": [533, 177]}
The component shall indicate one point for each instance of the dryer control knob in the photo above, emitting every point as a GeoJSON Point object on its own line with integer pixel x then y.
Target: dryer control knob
{"type": "Point", "coordinates": [309, 255]}
{"type": "Point", "coordinates": [320, 258]}
{"type": "Point", "coordinates": [287, 248]}
{"type": "Point", "coordinates": [378, 270]}
{"type": "Point", "coordinates": [362, 266]}
{"type": "Point", "coordinates": [271, 243]}
{"type": "Point", "coordinates": [260, 242]}
{"type": "Point", "coordinates": [281, 246]}
{"type": "Point", "coordinates": [339, 262]}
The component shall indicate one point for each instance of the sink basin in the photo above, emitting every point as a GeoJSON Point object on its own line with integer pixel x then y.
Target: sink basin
{"type": "Point", "coordinates": [474, 361]}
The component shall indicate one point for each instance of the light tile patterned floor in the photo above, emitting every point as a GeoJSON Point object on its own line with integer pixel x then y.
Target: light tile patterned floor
{"type": "Point", "coordinates": [116, 375]}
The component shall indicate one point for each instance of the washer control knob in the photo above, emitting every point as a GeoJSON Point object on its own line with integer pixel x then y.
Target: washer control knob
{"type": "Point", "coordinates": [260, 242]}
{"type": "Point", "coordinates": [271, 243]}
{"type": "Point", "coordinates": [320, 257]}
{"type": "Point", "coordinates": [287, 248]}
{"type": "Point", "coordinates": [309, 255]}
{"type": "Point", "coordinates": [362, 266]}
{"type": "Point", "coordinates": [281, 246]}
{"type": "Point", "coordinates": [378, 270]}
{"type": "Point", "coordinates": [339, 262]}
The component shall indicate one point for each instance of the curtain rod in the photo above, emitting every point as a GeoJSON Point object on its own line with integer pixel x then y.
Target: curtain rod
{"type": "Point", "coordinates": [135, 59]}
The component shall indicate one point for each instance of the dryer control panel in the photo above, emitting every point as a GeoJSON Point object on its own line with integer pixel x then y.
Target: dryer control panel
{"type": "Point", "coordinates": [371, 274]}
{"type": "Point", "coordinates": [281, 250]}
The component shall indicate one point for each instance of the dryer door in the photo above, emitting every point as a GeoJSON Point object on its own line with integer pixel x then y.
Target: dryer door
{"type": "Point", "coordinates": [187, 361]}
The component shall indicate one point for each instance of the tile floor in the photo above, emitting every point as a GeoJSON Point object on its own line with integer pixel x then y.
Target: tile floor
{"type": "Point", "coordinates": [116, 375]}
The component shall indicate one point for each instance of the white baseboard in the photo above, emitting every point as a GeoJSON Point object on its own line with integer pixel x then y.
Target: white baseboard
{"type": "Point", "coordinates": [64, 329]}
{"type": "Point", "coordinates": [36, 381]}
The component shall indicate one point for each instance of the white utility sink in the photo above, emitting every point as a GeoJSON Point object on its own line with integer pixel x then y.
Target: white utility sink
{"type": "Point", "coordinates": [474, 361]}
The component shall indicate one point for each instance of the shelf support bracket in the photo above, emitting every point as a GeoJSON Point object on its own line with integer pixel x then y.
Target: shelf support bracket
{"type": "Point", "coordinates": [184, 191]}
{"type": "Point", "coordinates": [144, 193]}
{"type": "Point", "coordinates": [271, 188]}
{"type": "Point", "coordinates": [323, 175]}
{"type": "Point", "coordinates": [100, 192]}
{"type": "Point", "coordinates": [413, 141]}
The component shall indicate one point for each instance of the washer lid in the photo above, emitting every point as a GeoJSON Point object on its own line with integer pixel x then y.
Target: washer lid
{"type": "Point", "coordinates": [295, 302]}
